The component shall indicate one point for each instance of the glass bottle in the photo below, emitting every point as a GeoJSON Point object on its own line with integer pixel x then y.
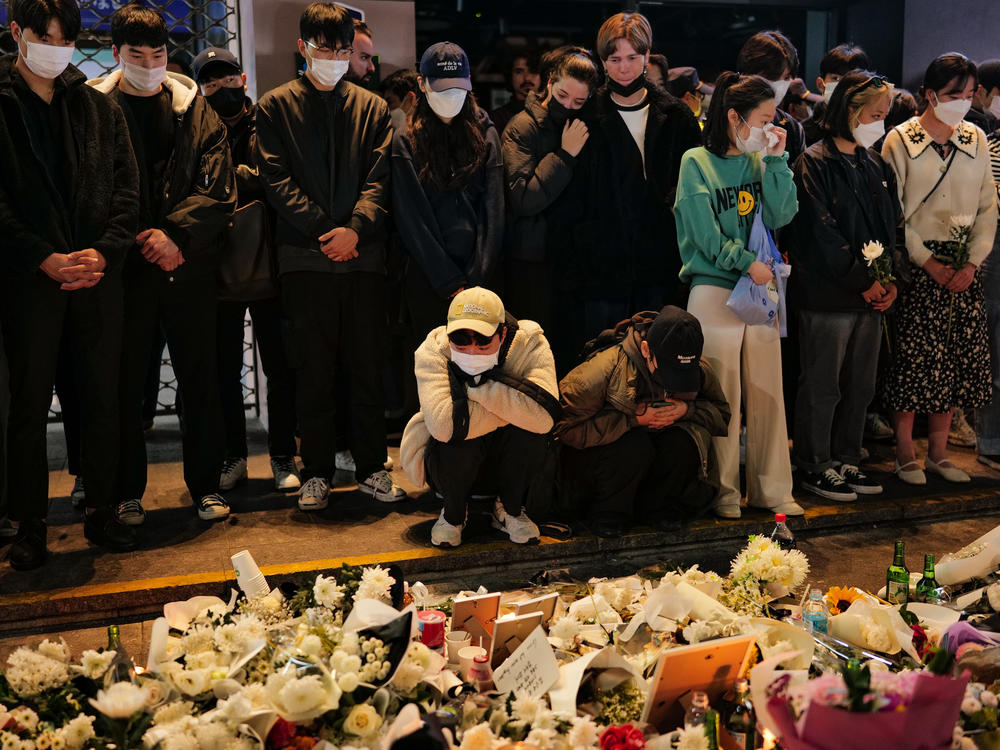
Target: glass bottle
{"type": "Point", "coordinates": [897, 578]}
{"type": "Point", "coordinates": [928, 589]}
{"type": "Point", "coordinates": [122, 669]}
{"type": "Point", "coordinates": [740, 721]}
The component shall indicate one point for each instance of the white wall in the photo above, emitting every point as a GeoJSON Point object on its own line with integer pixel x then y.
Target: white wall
{"type": "Point", "coordinates": [932, 28]}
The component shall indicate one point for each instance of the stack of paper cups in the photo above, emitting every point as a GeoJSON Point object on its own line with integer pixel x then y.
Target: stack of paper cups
{"type": "Point", "coordinates": [248, 575]}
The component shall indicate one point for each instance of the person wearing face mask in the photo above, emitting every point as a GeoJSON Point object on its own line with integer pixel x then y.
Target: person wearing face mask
{"type": "Point", "coordinates": [401, 92]}
{"type": "Point", "coordinates": [836, 64]}
{"type": "Point", "coordinates": [488, 399]}
{"type": "Point", "coordinates": [639, 418]}
{"type": "Point", "coordinates": [985, 110]}
{"type": "Point", "coordinates": [447, 189]}
{"type": "Point", "coordinates": [800, 101]}
{"type": "Point", "coordinates": [323, 151]}
{"type": "Point", "coordinates": [742, 169]}
{"type": "Point", "coordinates": [541, 147]}
{"type": "Point", "coordinates": [685, 84]}
{"type": "Point", "coordinates": [223, 84]}
{"type": "Point", "coordinates": [942, 350]}
{"type": "Point", "coordinates": [847, 198]}
{"type": "Point", "coordinates": [187, 194]}
{"type": "Point", "coordinates": [68, 216]}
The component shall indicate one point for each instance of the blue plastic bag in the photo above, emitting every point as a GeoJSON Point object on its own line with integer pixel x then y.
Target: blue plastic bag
{"type": "Point", "coordinates": [760, 304]}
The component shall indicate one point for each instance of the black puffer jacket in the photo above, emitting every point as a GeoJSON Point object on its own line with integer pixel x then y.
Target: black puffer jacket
{"type": "Point", "coordinates": [835, 221]}
{"type": "Point", "coordinates": [198, 195]}
{"type": "Point", "coordinates": [537, 170]}
{"type": "Point", "coordinates": [102, 176]}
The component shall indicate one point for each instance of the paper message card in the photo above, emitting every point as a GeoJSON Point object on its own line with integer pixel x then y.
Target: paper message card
{"type": "Point", "coordinates": [531, 670]}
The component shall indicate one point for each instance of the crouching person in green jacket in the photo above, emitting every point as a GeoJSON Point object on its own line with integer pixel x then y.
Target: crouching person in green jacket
{"type": "Point", "coordinates": [637, 420]}
{"type": "Point", "coordinates": [488, 401]}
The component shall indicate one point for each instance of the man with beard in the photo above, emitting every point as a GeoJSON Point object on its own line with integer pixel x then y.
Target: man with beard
{"type": "Point", "coordinates": [522, 78]}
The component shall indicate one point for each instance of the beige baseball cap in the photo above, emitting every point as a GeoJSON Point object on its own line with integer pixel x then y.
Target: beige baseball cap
{"type": "Point", "coordinates": [475, 309]}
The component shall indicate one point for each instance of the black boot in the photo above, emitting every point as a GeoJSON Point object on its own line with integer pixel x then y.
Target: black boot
{"type": "Point", "coordinates": [104, 530]}
{"type": "Point", "coordinates": [28, 550]}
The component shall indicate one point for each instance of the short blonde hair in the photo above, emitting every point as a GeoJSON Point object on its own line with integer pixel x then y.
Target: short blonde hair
{"type": "Point", "coordinates": [865, 97]}
{"type": "Point", "coordinates": [632, 27]}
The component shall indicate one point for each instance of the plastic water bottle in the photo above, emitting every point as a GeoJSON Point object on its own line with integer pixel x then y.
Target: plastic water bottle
{"type": "Point", "coordinates": [695, 715]}
{"type": "Point", "coordinates": [815, 612]}
{"type": "Point", "coordinates": [782, 535]}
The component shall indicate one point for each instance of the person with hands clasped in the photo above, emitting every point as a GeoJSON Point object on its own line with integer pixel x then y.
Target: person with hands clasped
{"type": "Point", "coordinates": [942, 352]}
{"type": "Point", "coordinates": [541, 146]}
{"type": "Point", "coordinates": [742, 169]}
{"type": "Point", "coordinates": [68, 215]}
{"type": "Point", "coordinates": [847, 200]}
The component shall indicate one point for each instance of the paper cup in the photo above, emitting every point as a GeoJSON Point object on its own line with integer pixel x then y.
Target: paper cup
{"type": "Point", "coordinates": [248, 575]}
{"type": "Point", "coordinates": [466, 656]}
{"type": "Point", "coordinates": [455, 641]}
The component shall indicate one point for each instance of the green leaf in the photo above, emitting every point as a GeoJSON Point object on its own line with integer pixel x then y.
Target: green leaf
{"type": "Point", "coordinates": [908, 617]}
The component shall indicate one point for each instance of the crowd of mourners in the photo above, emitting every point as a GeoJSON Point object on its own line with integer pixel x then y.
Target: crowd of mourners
{"type": "Point", "coordinates": [578, 273]}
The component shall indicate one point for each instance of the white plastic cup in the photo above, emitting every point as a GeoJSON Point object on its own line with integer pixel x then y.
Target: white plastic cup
{"type": "Point", "coordinates": [455, 641]}
{"type": "Point", "coordinates": [248, 575]}
{"type": "Point", "coordinates": [466, 656]}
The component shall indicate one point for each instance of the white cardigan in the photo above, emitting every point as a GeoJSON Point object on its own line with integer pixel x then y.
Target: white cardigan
{"type": "Point", "coordinates": [967, 188]}
{"type": "Point", "coordinates": [491, 405]}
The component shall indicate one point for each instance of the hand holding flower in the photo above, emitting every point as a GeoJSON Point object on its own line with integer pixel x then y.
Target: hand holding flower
{"type": "Point", "coordinates": [962, 279]}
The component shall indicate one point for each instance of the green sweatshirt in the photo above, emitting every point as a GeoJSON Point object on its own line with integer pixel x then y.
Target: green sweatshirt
{"type": "Point", "coordinates": [717, 197]}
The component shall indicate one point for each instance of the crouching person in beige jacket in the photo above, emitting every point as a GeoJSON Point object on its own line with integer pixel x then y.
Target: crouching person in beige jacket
{"type": "Point", "coordinates": [488, 399]}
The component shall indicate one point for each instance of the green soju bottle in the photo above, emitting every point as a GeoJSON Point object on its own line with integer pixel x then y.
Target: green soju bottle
{"type": "Point", "coordinates": [122, 669]}
{"type": "Point", "coordinates": [897, 578]}
{"type": "Point", "coordinates": [928, 589]}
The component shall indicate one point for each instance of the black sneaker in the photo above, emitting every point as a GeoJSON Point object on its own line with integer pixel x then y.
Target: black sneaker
{"type": "Point", "coordinates": [103, 529]}
{"type": "Point", "coordinates": [992, 461]}
{"type": "Point", "coordinates": [830, 485]}
{"type": "Point", "coordinates": [858, 481]}
{"type": "Point", "coordinates": [29, 550]}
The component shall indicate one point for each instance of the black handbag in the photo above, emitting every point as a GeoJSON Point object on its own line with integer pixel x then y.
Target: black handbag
{"type": "Point", "coordinates": [248, 269]}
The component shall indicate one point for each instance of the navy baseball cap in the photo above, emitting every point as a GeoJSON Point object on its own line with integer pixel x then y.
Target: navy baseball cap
{"type": "Point", "coordinates": [685, 80]}
{"type": "Point", "coordinates": [446, 66]}
{"type": "Point", "coordinates": [676, 340]}
{"type": "Point", "coordinates": [215, 62]}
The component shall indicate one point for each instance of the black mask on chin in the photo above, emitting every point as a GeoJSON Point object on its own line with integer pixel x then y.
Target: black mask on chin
{"type": "Point", "coordinates": [630, 89]}
{"type": "Point", "coordinates": [227, 102]}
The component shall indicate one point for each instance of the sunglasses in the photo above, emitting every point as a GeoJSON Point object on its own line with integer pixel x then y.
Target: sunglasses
{"type": "Point", "coordinates": [465, 337]}
{"type": "Point", "coordinates": [876, 82]}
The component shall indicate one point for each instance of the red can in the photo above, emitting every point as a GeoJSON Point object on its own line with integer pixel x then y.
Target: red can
{"type": "Point", "coordinates": [431, 624]}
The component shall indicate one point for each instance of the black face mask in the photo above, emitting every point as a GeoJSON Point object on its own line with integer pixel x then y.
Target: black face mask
{"type": "Point", "coordinates": [637, 84]}
{"type": "Point", "coordinates": [227, 102]}
{"type": "Point", "coordinates": [559, 114]}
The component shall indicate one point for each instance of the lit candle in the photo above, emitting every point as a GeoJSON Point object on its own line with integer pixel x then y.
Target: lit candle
{"type": "Point", "coordinates": [770, 741]}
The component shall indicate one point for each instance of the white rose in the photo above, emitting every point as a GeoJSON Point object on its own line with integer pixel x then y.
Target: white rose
{"type": "Point", "coordinates": [121, 700]}
{"type": "Point", "coordinates": [192, 681]}
{"type": "Point", "coordinates": [363, 720]}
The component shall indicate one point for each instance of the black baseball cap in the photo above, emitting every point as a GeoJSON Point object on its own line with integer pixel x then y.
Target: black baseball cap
{"type": "Point", "coordinates": [446, 66]}
{"type": "Point", "coordinates": [214, 62]}
{"type": "Point", "coordinates": [684, 80]}
{"type": "Point", "coordinates": [675, 340]}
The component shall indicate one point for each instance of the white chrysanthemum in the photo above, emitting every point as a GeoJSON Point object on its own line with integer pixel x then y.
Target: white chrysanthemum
{"type": "Point", "coordinates": [375, 584]}
{"type": "Point", "coordinates": [303, 694]}
{"type": "Point", "coordinates": [29, 672]}
{"type": "Point", "coordinates": [54, 649]}
{"type": "Point", "coordinates": [24, 717]}
{"type": "Point", "coordinates": [249, 628]}
{"type": "Point", "coordinates": [362, 721]}
{"type": "Point", "coordinates": [198, 639]}
{"type": "Point", "coordinates": [350, 643]}
{"type": "Point", "coordinates": [93, 664]}
{"type": "Point", "coordinates": [527, 709]}
{"type": "Point", "coordinates": [565, 628]}
{"type": "Point", "coordinates": [202, 660]}
{"type": "Point", "coordinates": [584, 734]}
{"type": "Point", "coordinates": [342, 662]}
{"type": "Point", "coordinates": [872, 251]}
{"type": "Point", "coordinates": [45, 738]}
{"type": "Point", "coordinates": [311, 645]}
{"type": "Point", "coordinates": [988, 698]}
{"type": "Point", "coordinates": [478, 738]}
{"type": "Point", "coordinates": [77, 731]}
{"type": "Point", "coordinates": [970, 706]}
{"type": "Point", "coordinates": [963, 220]}
{"type": "Point", "coordinates": [348, 682]}
{"type": "Point", "coordinates": [407, 677]}
{"type": "Point", "coordinates": [121, 700]}
{"type": "Point", "coordinates": [256, 694]}
{"type": "Point", "coordinates": [539, 737]}
{"type": "Point", "coordinates": [327, 591]}
{"type": "Point", "coordinates": [498, 718]}
{"type": "Point", "coordinates": [192, 681]}
{"type": "Point", "coordinates": [692, 739]}
{"type": "Point", "coordinates": [171, 712]}
{"type": "Point", "coordinates": [421, 656]}
{"type": "Point", "coordinates": [876, 636]}
{"type": "Point", "coordinates": [226, 638]}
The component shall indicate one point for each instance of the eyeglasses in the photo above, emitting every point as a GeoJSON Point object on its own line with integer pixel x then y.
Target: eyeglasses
{"type": "Point", "coordinates": [229, 82]}
{"type": "Point", "coordinates": [327, 53]}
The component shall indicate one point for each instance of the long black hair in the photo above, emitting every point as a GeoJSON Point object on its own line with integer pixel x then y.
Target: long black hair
{"type": "Point", "coordinates": [732, 91]}
{"type": "Point", "coordinates": [447, 154]}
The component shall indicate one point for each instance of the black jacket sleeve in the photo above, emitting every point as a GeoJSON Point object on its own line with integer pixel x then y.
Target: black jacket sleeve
{"type": "Point", "coordinates": [490, 239]}
{"type": "Point", "coordinates": [533, 184]}
{"type": "Point", "coordinates": [198, 219]}
{"type": "Point", "coordinates": [32, 248]}
{"type": "Point", "coordinates": [123, 218]}
{"type": "Point", "coordinates": [370, 210]}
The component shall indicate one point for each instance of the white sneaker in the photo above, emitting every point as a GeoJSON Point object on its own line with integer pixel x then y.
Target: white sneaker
{"type": "Point", "coordinates": [443, 534]}
{"type": "Point", "coordinates": [131, 513]}
{"type": "Point", "coordinates": [313, 495]}
{"type": "Point", "coordinates": [380, 486]}
{"type": "Point", "coordinates": [212, 508]}
{"type": "Point", "coordinates": [387, 464]}
{"type": "Point", "coordinates": [234, 470]}
{"type": "Point", "coordinates": [877, 428]}
{"type": "Point", "coordinates": [961, 432]}
{"type": "Point", "coordinates": [344, 461]}
{"type": "Point", "coordinates": [79, 493]}
{"type": "Point", "coordinates": [520, 529]}
{"type": "Point", "coordinates": [286, 475]}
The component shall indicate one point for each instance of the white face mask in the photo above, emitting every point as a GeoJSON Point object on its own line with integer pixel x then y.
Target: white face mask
{"type": "Point", "coordinates": [398, 117]}
{"type": "Point", "coordinates": [447, 103]}
{"type": "Point", "coordinates": [144, 79]}
{"type": "Point", "coordinates": [475, 364]}
{"type": "Point", "coordinates": [828, 91]}
{"type": "Point", "coordinates": [953, 112]}
{"type": "Point", "coordinates": [780, 89]}
{"type": "Point", "coordinates": [328, 72]}
{"type": "Point", "coordinates": [758, 140]}
{"type": "Point", "coordinates": [47, 60]}
{"type": "Point", "coordinates": [995, 106]}
{"type": "Point", "coordinates": [866, 133]}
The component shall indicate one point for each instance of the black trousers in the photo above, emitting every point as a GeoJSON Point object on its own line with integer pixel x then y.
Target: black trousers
{"type": "Point", "coordinates": [645, 475]}
{"type": "Point", "coordinates": [69, 401]}
{"type": "Point", "coordinates": [507, 461]}
{"type": "Point", "coordinates": [187, 312]}
{"type": "Point", "coordinates": [528, 291]}
{"type": "Point", "coordinates": [332, 317]}
{"type": "Point", "coordinates": [427, 309]}
{"type": "Point", "coordinates": [4, 411]}
{"type": "Point", "coordinates": [34, 312]}
{"type": "Point", "coordinates": [266, 317]}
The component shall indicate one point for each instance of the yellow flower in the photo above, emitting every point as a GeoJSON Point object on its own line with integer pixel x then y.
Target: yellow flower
{"type": "Point", "coordinates": [839, 598]}
{"type": "Point", "coordinates": [363, 720]}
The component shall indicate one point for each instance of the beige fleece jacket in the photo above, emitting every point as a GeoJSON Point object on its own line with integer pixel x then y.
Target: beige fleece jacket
{"type": "Point", "coordinates": [967, 188]}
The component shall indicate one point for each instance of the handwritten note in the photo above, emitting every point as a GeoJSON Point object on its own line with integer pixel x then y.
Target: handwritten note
{"type": "Point", "coordinates": [531, 670]}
